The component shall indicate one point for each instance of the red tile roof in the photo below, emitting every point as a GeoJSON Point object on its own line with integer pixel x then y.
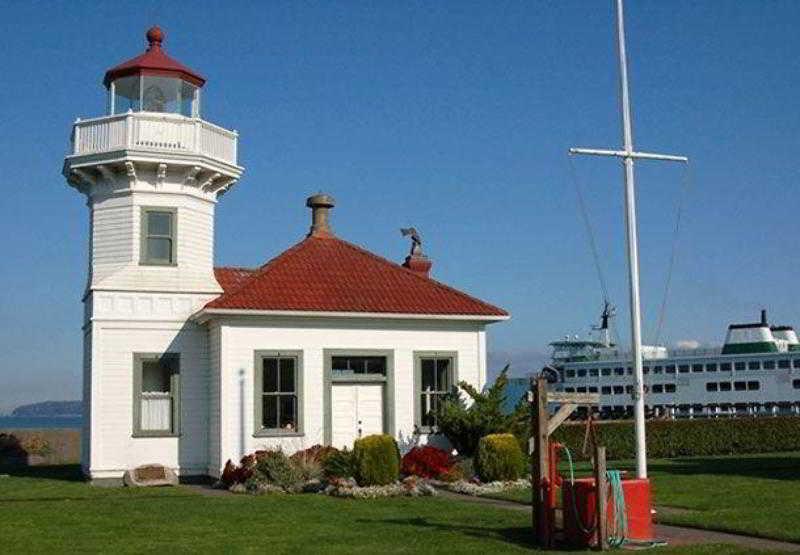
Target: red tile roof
{"type": "Point", "coordinates": [327, 274]}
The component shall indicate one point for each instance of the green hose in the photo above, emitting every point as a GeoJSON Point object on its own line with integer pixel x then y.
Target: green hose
{"type": "Point", "coordinates": [616, 533]}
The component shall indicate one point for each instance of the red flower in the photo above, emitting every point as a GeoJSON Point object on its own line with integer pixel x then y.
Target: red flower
{"type": "Point", "coordinates": [426, 462]}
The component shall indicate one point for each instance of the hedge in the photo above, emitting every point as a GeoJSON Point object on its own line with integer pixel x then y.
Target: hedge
{"type": "Point", "coordinates": [686, 438]}
{"type": "Point", "coordinates": [499, 458]}
{"type": "Point", "coordinates": [377, 460]}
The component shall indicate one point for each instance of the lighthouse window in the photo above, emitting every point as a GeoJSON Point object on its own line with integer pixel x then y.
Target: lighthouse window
{"type": "Point", "coordinates": [711, 367]}
{"type": "Point", "coordinates": [740, 365]}
{"type": "Point", "coordinates": [753, 386]}
{"type": "Point", "coordinates": [740, 386]}
{"type": "Point", "coordinates": [606, 371]}
{"type": "Point", "coordinates": [158, 236]}
{"type": "Point", "coordinates": [697, 367]}
{"type": "Point", "coordinates": [725, 367]}
{"type": "Point", "coordinates": [606, 389]}
{"type": "Point", "coordinates": [670, 369]}
{"type": "Point", "coordinates": [783, 364]}
{"type": "Point", "coordinates": [658, 388]}
{"type": "Point", "coordinates": [669, 388]}
{"type": "Point", "coordinates": [725, 386]}
{"type": "Point", "coordinates": [754, 365]}
{"type": "Point", "coordinates": [712, 386]}
{"type": "Point", "coordinates": [769, 365]}
{"type": "Point", "coordinates": [683, 368]}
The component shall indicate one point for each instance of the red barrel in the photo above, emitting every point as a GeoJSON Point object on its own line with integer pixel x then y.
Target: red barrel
{"type": "Point", "coordinates": [581, 516]}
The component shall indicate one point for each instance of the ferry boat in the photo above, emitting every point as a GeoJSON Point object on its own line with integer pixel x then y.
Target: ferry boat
{"type": "Point", "coordinates": [755, 373]}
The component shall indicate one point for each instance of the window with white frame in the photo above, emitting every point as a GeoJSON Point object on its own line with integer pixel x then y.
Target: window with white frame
{"type": "Point", "coordinates": [156, 406]}
{"type": "Point", "coordinates": [435, 378]}
{"type": "Point", "coordinates": [277, 393]}
{"type": "Point", "coordinates": [159, 235]}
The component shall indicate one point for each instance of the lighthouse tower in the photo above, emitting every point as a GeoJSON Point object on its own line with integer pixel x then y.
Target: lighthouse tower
{"type": "Point", "coordinates": [152, 170]}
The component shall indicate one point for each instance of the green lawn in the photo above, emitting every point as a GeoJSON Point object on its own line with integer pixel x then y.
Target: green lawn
{"type": "Point", "coordinates": [49, 510]}
{"type": "Point", "coordinates": [752, 494]}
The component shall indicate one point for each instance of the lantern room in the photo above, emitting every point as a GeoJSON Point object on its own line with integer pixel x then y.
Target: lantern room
{"type": "Point", "coordinates": [154, 82]}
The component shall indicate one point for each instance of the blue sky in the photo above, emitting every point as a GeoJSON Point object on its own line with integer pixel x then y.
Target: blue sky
{"type": "Point", "coordinates": [454, 117]}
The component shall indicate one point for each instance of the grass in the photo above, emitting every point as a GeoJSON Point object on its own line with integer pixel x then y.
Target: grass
{"type": "Point", "coordinates": [757, 495]}
{"type": "Point", "coordinates": [50, 510]}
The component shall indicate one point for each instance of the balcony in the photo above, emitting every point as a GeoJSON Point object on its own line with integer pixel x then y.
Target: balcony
{"type": "Point", "coordinates": [154, 133]}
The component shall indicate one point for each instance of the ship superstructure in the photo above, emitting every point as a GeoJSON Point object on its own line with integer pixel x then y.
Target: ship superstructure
{"type": "Point", "coordinates": [755, 372]}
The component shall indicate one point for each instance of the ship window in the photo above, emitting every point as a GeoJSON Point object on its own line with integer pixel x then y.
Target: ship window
{"type": "Point", "coordinates": [796, 384]}
{"type": "Point", "coordinates": [630, 370]}
{"type": "Point", "coordinates": [619, 371]}
{"type": "Point", "coordinates": [606, 389]}
{"type": "Point", "coordinates": [754, 365]}
{"type": "Point", "coordinates": [697, 367]}
{"type": "Point", "coordinates": [581, 390]}
{"type": "Point", "coordinates": [669, 388]}
{"type": "Point", "coordinates": [618, 390]}
{"type": "Point", "coordinates": [658, 388]}
{"type": "Point", "coordinates": [592, 390]}
{"type": "Point", "coordinates": [593, 372]}
{"type": "Point", "coordinates": [629, 389]}
{"type": "Point", "coordinates": [711, 367]}
{"type": "Point", "coordinates": [570, 373]}
{"type": "Point", "coordinates": [725, 367]}
{"type": "Point", "coordinates": [769, 365]}
{"type": "Point", "coordinates": [656, 370]}
{"type": "Point", "coordinates": [725, 386]}
{"type": "Point", "coordinates": [712, 386]}
{"type": "Point", "coordinates": [646, 370]}
{"type": "Point", "coordinates": [739, 386]}
{"type": "Point", "coordinates": [797, 363]}
{"type": "Point", "coordinates": [783, 364]}
{"type": "Point", "coordinates": [569, 389]}
{"type": "Point", "coordinates": [753, 386]}
{"type": "Point", "coordinates": [582, 373]}
{"type": "Point", "coordinates": [670, 369]}
{"type": "Point", "coordinates": [606, 371]}
{"type": "Point", "coordinates": [740, 365]}
{"type": "Point", "coordinates": [683, 368]}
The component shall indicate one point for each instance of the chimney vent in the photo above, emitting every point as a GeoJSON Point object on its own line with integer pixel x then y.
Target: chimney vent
{"type": "Point", "coordinates": [320, 205]}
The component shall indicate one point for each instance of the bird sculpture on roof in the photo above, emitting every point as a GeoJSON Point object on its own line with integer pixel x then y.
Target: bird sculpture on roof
{"type": "Point", "coordinates": [416, 240]}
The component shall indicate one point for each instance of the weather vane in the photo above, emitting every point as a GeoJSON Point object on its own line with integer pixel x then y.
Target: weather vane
{"type": "Point", "coordinates": [416, 240]}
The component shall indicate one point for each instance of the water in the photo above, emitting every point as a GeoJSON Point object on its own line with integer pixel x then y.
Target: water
{"type": "Point", "coordinates": [43, 422]}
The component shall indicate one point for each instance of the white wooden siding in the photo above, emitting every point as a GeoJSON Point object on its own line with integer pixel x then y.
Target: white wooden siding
{"type": "Point", "coordinates": [313, 336]}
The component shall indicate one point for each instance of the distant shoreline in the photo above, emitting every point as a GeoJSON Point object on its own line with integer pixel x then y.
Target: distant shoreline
{"type": "Point", "coordinates": [41, 422]}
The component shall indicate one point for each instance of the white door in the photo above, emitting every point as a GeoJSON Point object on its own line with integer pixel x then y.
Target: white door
{"type": "Point", "coordinates": [357, 411]}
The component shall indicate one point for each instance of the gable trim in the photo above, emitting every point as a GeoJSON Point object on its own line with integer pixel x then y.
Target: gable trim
{"type": "Point", "coordinates": [206, 314]}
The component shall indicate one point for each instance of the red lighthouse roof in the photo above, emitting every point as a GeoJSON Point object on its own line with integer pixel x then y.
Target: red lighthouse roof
{"type": "Point", "coordinates": [154, 61]}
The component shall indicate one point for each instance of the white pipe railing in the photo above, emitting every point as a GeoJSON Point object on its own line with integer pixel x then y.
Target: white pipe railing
{"type": "Point", "coordinates": [154, 131]}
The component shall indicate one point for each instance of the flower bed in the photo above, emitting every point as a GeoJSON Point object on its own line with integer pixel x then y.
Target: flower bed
{"type": "Point", "coordinates": [476, 489]}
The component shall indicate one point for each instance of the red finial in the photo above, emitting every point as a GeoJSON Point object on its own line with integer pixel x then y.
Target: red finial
{"type": "Point", "coordinates": [155, 36]}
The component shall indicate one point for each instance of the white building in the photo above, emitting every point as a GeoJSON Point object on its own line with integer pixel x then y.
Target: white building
{"type": "Point", "coordinates": [189, 365]}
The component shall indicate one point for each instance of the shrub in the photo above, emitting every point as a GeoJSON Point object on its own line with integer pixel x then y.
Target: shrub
{"type": "Point", "coordinates": [499, 458]}
{"type": "Point", "coordinates": [308, 463]}
{"type": "Point", "coordinates": [687, 438]}
{"type": "Point", "coordinates": [275, 468]}
{"type": "Point", "coordinates": [464, 425]}
{"type": "Point", "coordinates": [339, 464]}
{"type": "Point", "coordinates": [426, 462]}
{"type": "Point", "coordinates": [377, 460]}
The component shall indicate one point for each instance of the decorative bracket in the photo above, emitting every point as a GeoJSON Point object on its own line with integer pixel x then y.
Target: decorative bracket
{"type": "Point", "coordinates": [161, 175]}
{"type": "Point", "coordinates": [130, 170]}
{"type": "Point", "coordinates": [191, 175]}
{"type": "Point", "coordinates": [210, 182]}
{"type": "Point", "coordinates": [106, 172]}
{"type": "Point", "coordinates": [84, 176]}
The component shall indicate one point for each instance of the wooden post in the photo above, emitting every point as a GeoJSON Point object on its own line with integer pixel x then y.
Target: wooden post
{"type": "Point", "coordinates": [601, 510]}
{"type": "Point", "coordinates": [541, 462]}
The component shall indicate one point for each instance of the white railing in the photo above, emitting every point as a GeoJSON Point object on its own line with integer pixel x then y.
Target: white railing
{"type": "Point", "coordinates": [154, 131]}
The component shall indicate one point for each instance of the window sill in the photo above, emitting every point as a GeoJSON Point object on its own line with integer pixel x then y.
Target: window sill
{"type": "Point", "coordinates": [162, 264]}
{"type": "Point", "coordinates": [154, 434]}
{"type": "Point", "coordinates": [277, 433]}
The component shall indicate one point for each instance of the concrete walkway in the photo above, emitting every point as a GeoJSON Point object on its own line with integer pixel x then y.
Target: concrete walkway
{"type": "Point", "coordinates": [673, 535]}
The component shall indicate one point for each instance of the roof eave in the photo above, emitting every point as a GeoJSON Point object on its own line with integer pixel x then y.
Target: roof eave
{"type": "Point", "coordinates": [206, 314]}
